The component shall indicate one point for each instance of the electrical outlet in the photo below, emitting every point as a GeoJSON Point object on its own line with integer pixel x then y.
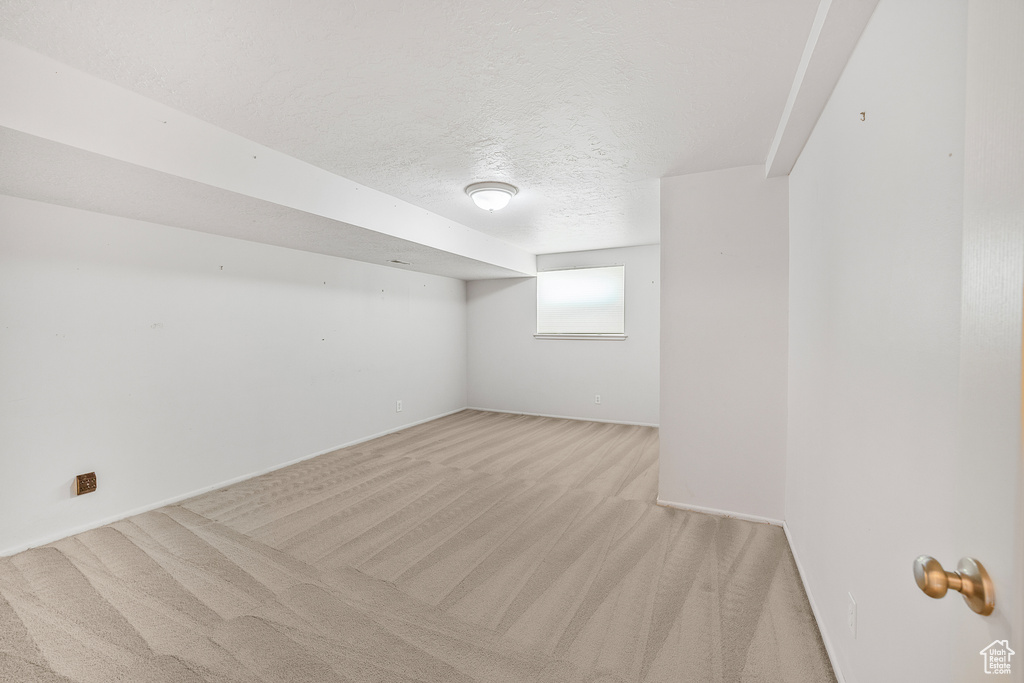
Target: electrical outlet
{"type": "Point", "coordinates": [398, 407]}
{"type": "Point", "coordinates": [597, 398]}
{"type": "Point", "coordinates": [85, 483]}
{"type": "Point", "coordinates": [851, 615]}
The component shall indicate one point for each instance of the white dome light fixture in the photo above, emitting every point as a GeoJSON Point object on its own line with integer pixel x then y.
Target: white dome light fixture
{"type": "Point", "coordinates": [491, 196]}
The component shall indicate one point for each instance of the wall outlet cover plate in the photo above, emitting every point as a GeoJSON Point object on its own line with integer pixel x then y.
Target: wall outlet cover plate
{"type": "Point", "coordinates": [851, 615]}
{"type": "Point", "coordinates": [85, 483]}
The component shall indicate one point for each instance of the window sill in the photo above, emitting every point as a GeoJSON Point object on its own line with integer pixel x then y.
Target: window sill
{"type": "Point", "coordinates": [600, 337]}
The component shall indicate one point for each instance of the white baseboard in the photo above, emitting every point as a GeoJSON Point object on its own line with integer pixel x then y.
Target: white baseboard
{"type": "Point", "coordinates": [720, 513]}
{"type": "Point", "coordinates": [50, 538]}
{"type": "Point", "coordinates": [564, 417]}
{"type": "Point", "coordinates": [814, 608]}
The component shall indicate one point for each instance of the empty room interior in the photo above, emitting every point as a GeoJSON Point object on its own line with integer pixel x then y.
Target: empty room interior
{"type": "Point", "coordinates": [551, 341]}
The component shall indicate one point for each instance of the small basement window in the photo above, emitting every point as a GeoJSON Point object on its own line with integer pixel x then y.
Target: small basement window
{"type": "Point", "coordinates": [582, 303]}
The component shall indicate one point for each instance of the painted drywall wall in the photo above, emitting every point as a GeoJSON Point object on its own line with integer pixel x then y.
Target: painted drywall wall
{"type": "Point", "coordinates": [723, 341]}
{"type": "Point", "coordinates": [511, 370]}
{"type": "Point", "coordinates": [168, 360]}
{"type": "Point", "coordinates": [876, 202]}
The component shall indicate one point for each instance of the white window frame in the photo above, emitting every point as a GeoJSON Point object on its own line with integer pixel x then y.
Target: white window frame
{"type": "Point", "coordinates": [602, 336]}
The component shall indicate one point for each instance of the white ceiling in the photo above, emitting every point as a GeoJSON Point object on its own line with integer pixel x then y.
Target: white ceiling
{"type": "Point", "coordinates": [582, 104]}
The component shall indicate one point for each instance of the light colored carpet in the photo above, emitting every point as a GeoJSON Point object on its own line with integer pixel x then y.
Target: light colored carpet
{"type": "Point", "coordinates": [477, 547]}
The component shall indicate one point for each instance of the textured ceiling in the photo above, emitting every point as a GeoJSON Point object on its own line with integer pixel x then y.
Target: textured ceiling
{"type": "Point", "coordinates": [582, 104]}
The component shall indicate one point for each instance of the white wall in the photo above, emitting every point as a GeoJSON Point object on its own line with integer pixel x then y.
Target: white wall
{"type": "Point", "coordinates": [723, 341]}
{"type": "Point", "coordinates": [510, 370]}
{"type": "Point", "coordinates": [875, 235]}
{"type": "Point", "coordinates": [168, 360]}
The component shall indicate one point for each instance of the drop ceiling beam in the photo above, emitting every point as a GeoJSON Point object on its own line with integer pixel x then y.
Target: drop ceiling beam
{"type": "Point", "coordinates": [837, 27]}
{"type": "Point", "coordinates": [49, 100]}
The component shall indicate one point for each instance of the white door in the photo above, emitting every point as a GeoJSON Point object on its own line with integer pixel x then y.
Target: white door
{"type": "Point", "coordinates": [990, 492]}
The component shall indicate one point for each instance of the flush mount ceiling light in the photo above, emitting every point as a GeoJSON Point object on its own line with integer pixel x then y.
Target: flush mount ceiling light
{"type": "Point", "coordinates": [491, 196]}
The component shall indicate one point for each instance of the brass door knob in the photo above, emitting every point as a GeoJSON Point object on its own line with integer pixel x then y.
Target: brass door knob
{"type": "Point", "coordinates": [970, 579]}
